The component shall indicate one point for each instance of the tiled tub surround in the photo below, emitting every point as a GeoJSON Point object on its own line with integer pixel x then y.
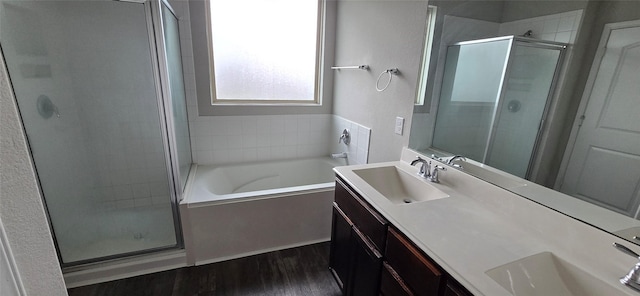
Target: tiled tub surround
{"type": "Point", "coordinates": [237, 139]}
{"type": "Point", "coordinates": [358, 148]}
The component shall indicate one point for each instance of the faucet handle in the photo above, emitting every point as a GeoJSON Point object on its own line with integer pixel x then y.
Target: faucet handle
{"type": "Point", "coordinates": [345, 137]}
{"type": "Point", "coordinates": [433, 176]}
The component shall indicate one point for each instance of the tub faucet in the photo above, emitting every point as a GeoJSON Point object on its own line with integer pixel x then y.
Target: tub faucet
{"type": "Point", "coordinates": [339, 155]}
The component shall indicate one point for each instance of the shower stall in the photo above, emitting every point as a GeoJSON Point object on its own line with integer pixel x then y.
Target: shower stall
{"type": "Point", "coordinates": [494, 98]}
{"type": "Point", "coordinates": [101, 95]}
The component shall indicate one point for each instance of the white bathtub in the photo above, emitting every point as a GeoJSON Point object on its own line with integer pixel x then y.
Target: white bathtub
{"type": "Point", "coordinates": [241, 210]}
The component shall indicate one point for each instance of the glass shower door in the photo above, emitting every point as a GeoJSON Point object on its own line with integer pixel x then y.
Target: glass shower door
{"type": "Point", "coordinates": [176, 92]}
{"type": "Point", "coordinates": [471, 88]}
{"type": "Point", "coordinates": [527, 88]}
{"type": "Point", "coordinates": [84, 77]}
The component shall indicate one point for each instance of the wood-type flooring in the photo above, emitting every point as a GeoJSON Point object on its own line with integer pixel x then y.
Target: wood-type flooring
{"type": "Point", "coordinates": [301, 271]}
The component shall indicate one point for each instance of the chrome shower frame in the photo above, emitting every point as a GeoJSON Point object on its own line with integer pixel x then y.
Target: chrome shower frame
{"type": "Point", "coordinates": [530, 42]}
{"type": "Point", "coordinates": [154, 21]}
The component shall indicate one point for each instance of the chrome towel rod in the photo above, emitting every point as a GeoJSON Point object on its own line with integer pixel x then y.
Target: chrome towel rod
{"type": "Point", "coordinates": [361, 67]}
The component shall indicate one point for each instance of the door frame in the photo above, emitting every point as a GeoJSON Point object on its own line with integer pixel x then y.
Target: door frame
{"type": "Point", "coordinates": [584, 101]}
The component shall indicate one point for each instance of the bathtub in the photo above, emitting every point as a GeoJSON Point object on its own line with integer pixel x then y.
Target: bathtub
{"type": "Point", "coordinates": [233, 211]}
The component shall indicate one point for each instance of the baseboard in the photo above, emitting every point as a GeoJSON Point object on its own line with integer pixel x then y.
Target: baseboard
{"type": "Point", "coordinates": [261, 251]}
{"type": "Point", "coordinates": [154, 263]}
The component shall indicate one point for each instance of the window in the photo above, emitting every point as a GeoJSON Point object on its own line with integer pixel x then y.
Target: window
{"type": "Point", "coordinates": [265, 51]}
{"type": "Point", "coordinates": [426, 55]}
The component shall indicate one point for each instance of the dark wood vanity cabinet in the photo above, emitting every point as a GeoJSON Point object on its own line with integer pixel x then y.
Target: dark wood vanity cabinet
{"type": "Point", "coordinates": [369, 257]}
{"type": "Point", "coordinates": [422, 276]}
{"type": "Point", "coordinates": [365, 268]}
{"type": "Point", "coordinates": [453, 288]}
{"type": "Point", "coordinates": [391, 284]}
{"type": "Point", "coordinates": [358, 237]}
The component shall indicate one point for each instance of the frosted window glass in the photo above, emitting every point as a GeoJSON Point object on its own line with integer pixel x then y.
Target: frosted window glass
{"type": "Point", "coordinates": [264, 50]}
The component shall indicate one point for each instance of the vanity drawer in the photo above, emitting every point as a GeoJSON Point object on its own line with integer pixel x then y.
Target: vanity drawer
{"type": "Point", "coordinates": [421, 275]}
{"type": "Point", "coordinates": [391, 284]}
{"type": "Point", "coordinates": [365, 218]}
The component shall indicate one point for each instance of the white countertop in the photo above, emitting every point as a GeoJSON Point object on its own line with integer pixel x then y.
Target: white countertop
{"type": "Point", "coordinates": [481, 226]}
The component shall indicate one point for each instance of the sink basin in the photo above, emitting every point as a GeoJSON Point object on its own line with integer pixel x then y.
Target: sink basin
{"type": "Point", "coordinates": [398, 186]}
{"type": "Point", "coordinates": [546, 274]}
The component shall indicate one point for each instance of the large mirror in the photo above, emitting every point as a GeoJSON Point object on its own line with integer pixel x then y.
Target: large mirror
{"type": "Point", "coordinates": [548, 91]}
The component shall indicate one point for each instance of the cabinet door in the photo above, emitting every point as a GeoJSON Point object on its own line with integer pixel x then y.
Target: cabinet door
{"type": "Point", "coordinates": [366, 268]}
{"type": "Point", "coordinates": [421, 275]}
{"type": "Point", "coordinates": [341, 242]}
{"type": "Point", "coordinates": [391, 284]}
{"type": "Point", "coordinates": [363, 216]}
{"type": "Point", "coordinates": [455, 289]}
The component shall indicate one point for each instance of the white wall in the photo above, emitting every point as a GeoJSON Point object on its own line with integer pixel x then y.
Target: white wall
{"type": "Point", "coordinates": [21, 208]}
{"type": "Point", "coordinates": [383, 35]}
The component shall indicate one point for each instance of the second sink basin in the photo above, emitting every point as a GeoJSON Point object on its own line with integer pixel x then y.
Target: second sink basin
{"type": "Point", "coordinates": [546, 274]}
{"type": "Point", "coordinates": [398, 186]}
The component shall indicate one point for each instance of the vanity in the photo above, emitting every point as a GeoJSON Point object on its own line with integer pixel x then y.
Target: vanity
{"type": "Point", "coordinates": [396, 233]}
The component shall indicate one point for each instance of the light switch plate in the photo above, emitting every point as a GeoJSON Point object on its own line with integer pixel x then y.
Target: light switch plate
{"type": "Point", "coordinates": [399, 125]}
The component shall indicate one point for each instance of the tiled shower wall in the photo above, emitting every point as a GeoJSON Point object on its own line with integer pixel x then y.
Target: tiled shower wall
{"type": "Point", "coordinates": [233, 139]}
{"type": "Point", "coordinates": [559, 27]}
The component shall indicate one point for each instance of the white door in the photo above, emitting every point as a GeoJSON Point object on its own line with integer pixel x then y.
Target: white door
{"type": "Point", "coordinates": [604, 165]}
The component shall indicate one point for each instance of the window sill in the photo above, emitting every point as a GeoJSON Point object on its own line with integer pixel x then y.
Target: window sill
{"type": "Point", "coordinates": [266, 104]}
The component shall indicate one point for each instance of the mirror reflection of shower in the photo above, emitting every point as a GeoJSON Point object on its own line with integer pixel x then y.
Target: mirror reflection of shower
{"type": "Point", "coordinates": [495, 94]}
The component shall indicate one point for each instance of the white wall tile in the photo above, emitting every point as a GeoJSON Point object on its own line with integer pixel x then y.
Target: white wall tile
{"type": "Point", "coordinates": [564, 37]}
{"type": "Point", "coordinates": [358, 148]}
{"type": "Point", "coordinates": [249, 140]}
{"type": "Point", "coordinates": [249, 155]}
{"type": "Point", "coordinates": [220, 156]}
{"type": "Point", "coordinates": [235, 156]}
{"type": "Point", "coordinates": [202, 143]}
{"type": "Point", "coordinates": [235, 141]}
{"type": "Point", "coordinates": [561, 27]}
{"type": "Point", "coordinates": [566, 23]}
{"type": "Point", "coordinates": [156, 200]}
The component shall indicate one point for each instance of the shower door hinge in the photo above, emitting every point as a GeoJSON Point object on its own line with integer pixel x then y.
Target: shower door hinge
{"type": "Point", "coordinates": [581, 120]}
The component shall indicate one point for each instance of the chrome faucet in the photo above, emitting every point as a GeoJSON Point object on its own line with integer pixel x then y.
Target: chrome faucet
{"type": "Point", "coordinates": [339, 155]}
{"type": "Point", "coordinates": [632, 279]}
{"type": "Point", "coordinates": [425, 167]}
{"type": "Point", "coordinates": [453, 158]}
{"type": "Point", "coordinates": [425, 170]}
